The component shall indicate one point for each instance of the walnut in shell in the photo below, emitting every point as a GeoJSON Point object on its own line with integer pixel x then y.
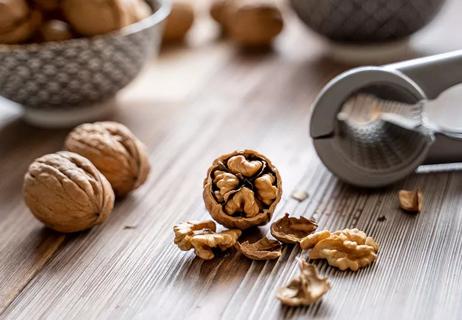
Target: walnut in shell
{"type": "Point", "coordinates": [17, 22]}
{"type": "Point", "coordinates": [305, 289]}
{"type": "Point", "coordinates": [93, 17]}
{"type": "Point", "coordinates": [292, 230]}
{"type": "Point", "coordinates": [411, 201]}
{"type": "Point", "coordinates": [242, 189]}
{"type": "Point", "coordinates": [254, 23]}
{"type": "Point", "coordinates": [114, 150]}
{"type": "Point", "coordinates": [203, 238]}
{"type": "Point", "coordinates": [55, 30]}
{"type": "Point", "coordinates": [263, 249]}
{"type": "Point", "coordinates": [67, 193]}
{"type": "Point", "coordinates": [179, 21]}
{"type": "Point", "coordinates": [345, 249]}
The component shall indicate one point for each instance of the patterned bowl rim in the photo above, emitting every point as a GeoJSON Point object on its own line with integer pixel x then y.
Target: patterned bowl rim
{"type": "Point", "coordinates": [159, 15]}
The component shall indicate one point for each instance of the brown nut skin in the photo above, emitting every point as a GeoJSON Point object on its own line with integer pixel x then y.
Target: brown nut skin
{"type": "Point", "coordinates": [179, 21]}
{"type": "Point", "coordinates": [115, 151]}
{"type": "Point", "coordinates": [55, 30]}
{"type": "Point", "coordinates": [67, 193]}
{"type": "Point", "coordinates": [254, 23]}
{"type": "Point", "coordinates": [218, 209]}
{"type": "Point", "coordinates": [93, 17]}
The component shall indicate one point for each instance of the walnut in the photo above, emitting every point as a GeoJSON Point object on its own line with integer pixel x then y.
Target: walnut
{"type": "Point", "coordinates": [305, 289]}
{"type": "Point", "coordinates": [55, 30]}
{"type": "Point", "coordinates": [344, 249]}
{"type": "Point", "coordinates": [203, 238]}
{"type": "Point", "coordinates": [411, 201]}
{"type": "Point", "coordinates": [292, 230]}
{"type": "Point", "coordinates": [93, 17]}
{"type": "Point", "coordinates": [47, 5]}
{"type": "Point", "coordinates": [263, 249]}
{"type": "Point", "coordinates": [114, 150]}
{"type": "Point", "coordinates": [242, 189]}
{"type": "Point", "coordinates": [219, 10]}
{"type": "Point", "coordinates": [17, 22]}
{"type": "Point", "coordinates": [179, 21]}
{"type": "Point", "coordinates": [67, 193]}
{"type": "Point", "coordinates": [254, 23]}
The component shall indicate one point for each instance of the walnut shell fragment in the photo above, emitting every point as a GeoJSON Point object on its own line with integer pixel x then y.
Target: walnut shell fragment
{"type": "Point", "coordinates": [345, 249]}
{"type": "Point", "coordinates": [67, 193]}
{"type": "Point", "coordinates": [263, 249]}
{"type": "Point", "coordinates": [411, 201]}
{"type": "Point", "coordinates": [305, 289]}
{"type": "Point", "coordinates": [202, 237]}
{"type": "Point", "coordinates": [242, 189]}
{"type": "Point", "coordinates": [115, 151]}
{"type": "Point", "coordinates": [292, 230]}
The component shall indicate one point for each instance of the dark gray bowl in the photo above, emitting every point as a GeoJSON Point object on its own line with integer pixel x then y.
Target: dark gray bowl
{"type": "Point", "coordinates": [366, 21]}
{"type": "Point", "coordinates": [62, 83]}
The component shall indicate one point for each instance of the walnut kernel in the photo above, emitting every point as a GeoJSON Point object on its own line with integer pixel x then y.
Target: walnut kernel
{"type": "Point", "coordinates": [411, 201]}
{"type": "Point", "coordinates": [202, 237]}
{"type": "Point", "coordinates": [17, 21]}
{"type": "Point", "coordinates": [263, 249]}
{"type": "Point", "coordinates": [242, 189]}
{"type": "Point", "coordinates": [292, 230]}
{"type": "Point", "coordinates": [345, 249]}
{"type": "Point", "coordinates": [114, 150]}
{"type": "Point", "coordinates": [305, 289]}
{"type": "Point", "coordinates": [67, 193]}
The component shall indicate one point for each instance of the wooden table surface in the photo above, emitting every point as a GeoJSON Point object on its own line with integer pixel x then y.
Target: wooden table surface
{"type": "Point", "coordinates": [189, 106]}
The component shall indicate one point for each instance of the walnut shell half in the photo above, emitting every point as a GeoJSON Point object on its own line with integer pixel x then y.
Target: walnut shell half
{"type": "Point", "coordinates": [242, 189]}
{"type": "Point", "coordinates": [67, 193]}
{"type": "Point", "coordinates": [292, 230]}
{"type": "Point", "coordinates": [114, 150]}
{"type": "Point", "coordinates": [263, 249]}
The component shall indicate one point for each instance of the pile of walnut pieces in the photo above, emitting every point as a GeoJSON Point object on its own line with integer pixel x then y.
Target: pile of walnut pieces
{"type": "Point", "coordinates": [57, 20]}
{"type": "Point", "coordinates": [74, 190]}
{"type": "Point", "coordinates": [241, 191]}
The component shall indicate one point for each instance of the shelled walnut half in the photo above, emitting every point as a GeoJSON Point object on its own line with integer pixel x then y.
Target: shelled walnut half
{"type": "Point", "coordinates": [263, 249]}
{"type": "Point", "coordinates": [292, 230]}
{"type": "Point", "coordinates": [203, 238]}
{"type": "Point", "coordinates": [305, 289]}
{"type": "Point", "coordinates": [242, 189]}
{"type": "Point", "coordinates": [345, 249]}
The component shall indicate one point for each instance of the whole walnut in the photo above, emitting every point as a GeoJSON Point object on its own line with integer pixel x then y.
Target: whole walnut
{"type": "Point", "coordinates": [93, 17]}
{"type": "Point", "coordinates": [242, 189]}
{"type": "Point", "coordinates": [67, 193]}
{"type": "Point", "coordinates": [17, 22]}
{"type": "Point", "coordinates": [114, 150]}
{"type": "Point", "coordinates": [55, 30]}
{"type": "Point", "coordinates": [254, 23]}
{"type": "Point", "coordinates": [179, 21]}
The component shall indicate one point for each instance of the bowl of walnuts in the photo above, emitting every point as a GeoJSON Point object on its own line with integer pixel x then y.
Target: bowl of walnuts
{"type": "Point", "coordinates": [64, 61]}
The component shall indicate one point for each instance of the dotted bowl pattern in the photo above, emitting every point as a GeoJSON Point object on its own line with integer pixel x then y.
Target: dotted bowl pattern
{"type": "Point", "coordinates": [366, 20]}
{"type": "Point", "coordinates": [80, 72]}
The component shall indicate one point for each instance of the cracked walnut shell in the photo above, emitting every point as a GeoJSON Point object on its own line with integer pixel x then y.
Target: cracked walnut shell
{"type": "Point", "coordinates": [263, 249]}
{"type": "Point", "coordinates": [345, 249]}
{"type": "Point", "coordinates": [114, 150]}
{"type": "Point", "coordinates": [242, 189]}
{"type": "Point", "coordinates": [292, 230]}
{"type": "Point", "coordinates": [203, 238]}
{"type": "Point", "coordinates": [67, 193]}
{"type": "Point", "coordinates": [305, 289]}
{"type": "Point", "coordinates": [410, 201]}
